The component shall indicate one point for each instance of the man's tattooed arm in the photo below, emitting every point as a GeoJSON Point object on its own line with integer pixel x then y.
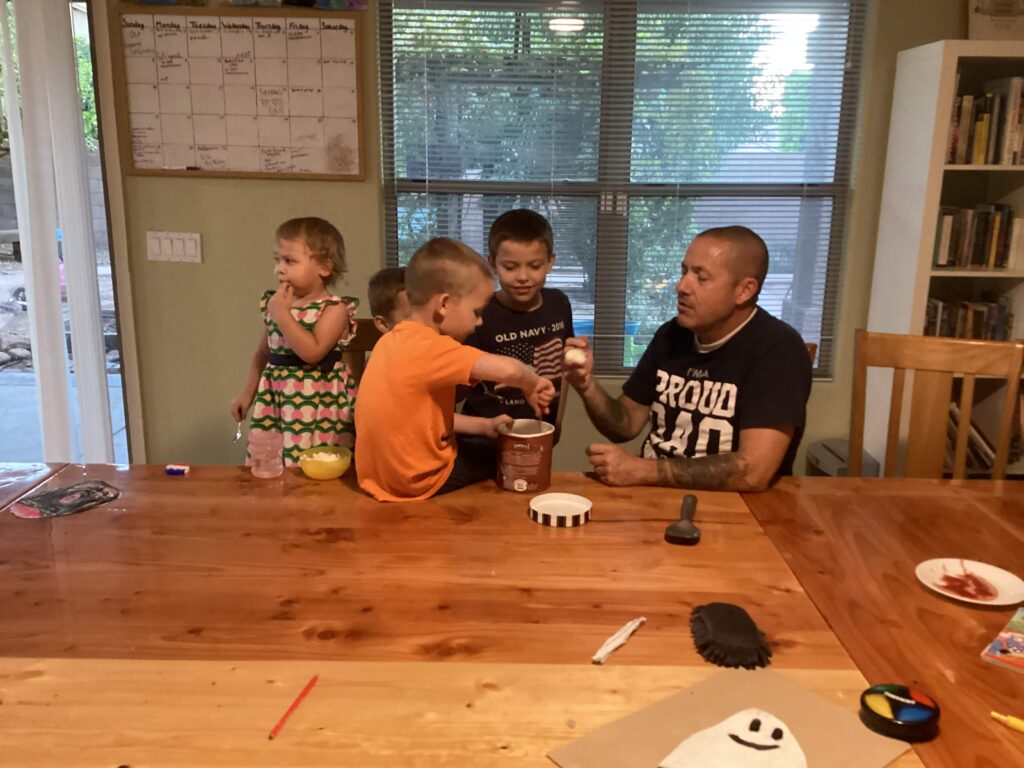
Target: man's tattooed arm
{"type": "Point", "coordinates": [721, 472]}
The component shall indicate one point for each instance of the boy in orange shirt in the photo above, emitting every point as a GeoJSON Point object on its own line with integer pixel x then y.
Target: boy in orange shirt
{"type": "Point", "coordinates": [405, 414]}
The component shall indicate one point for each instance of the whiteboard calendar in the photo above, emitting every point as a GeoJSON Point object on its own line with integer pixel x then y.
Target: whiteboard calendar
{"type": "Point", "coordinates": [243, 94]}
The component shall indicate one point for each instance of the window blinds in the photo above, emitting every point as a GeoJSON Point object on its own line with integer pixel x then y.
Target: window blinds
{"type": "Point", "coordinates": [632, 126]}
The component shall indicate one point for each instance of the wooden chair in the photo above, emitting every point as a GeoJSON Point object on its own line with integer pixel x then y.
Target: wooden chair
{"type": "Point", "coordinates": [355, 353]}
{"type": "Point", "coordinates": [934, 361]}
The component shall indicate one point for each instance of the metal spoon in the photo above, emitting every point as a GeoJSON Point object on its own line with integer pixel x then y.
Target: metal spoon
{"type": "Point", "coordinates": [683, 531]}
{"type": "Point", "coordinates": [238, 434]}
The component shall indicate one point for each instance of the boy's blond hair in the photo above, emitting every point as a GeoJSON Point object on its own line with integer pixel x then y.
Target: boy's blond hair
{"type": "Point", "coordinates": [324, 241]}
{"type": "Point", "coordinates": [443, 265]}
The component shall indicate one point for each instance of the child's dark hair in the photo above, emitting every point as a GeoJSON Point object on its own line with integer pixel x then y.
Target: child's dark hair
{"type": "Point", "coordinates": [520, 225]}
{"type": "Point", "coordinates": [324, 241]}
{"type": "Point", "coordinates": [443, 265]}
{"type": "Point", "coordinates": [385, 286]}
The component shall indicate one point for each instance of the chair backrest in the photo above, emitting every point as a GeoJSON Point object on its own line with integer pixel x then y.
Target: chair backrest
{"type": "Point", "coordinates": [935, 362]}
{"type": "Point", "coordinates": [355, 353]}
{"type": "Point", "coordinates": [812, 350]}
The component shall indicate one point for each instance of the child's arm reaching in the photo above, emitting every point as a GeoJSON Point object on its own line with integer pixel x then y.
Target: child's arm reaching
{"type": "Point", "coordinates": [312, 346]}
{"type": "Point", "coordinates": [240, 405]}
{"type": "Point", "coordinates": [478, 425]}
{"type": "Point", "coordinates": [538, 391]}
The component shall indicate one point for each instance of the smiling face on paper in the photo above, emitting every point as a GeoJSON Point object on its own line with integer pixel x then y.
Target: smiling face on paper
{"type": "Point", "coordinates": [752, 738]}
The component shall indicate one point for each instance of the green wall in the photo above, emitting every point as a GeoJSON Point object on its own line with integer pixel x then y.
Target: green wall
{"type": "Point", "coordinates": [197, 325]}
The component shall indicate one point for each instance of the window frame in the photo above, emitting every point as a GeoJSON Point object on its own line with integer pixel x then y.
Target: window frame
{"type": "Point", "coordinates": [613, 188]}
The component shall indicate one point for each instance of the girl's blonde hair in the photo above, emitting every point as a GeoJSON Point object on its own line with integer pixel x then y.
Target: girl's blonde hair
{"type": "Point", "coordinates": [324, 241]}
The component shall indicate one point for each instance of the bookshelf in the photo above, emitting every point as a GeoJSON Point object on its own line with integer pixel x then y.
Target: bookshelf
{"type": "Point", "coordinates": [921, 185]}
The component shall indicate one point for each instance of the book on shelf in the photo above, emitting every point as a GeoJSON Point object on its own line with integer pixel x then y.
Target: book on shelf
{"type": "Point", "coordinates": [983, 237]}
{"type": "Point", "coordinates": [961, 319]}
{"type": "Point", "coordinates": [988, 128]}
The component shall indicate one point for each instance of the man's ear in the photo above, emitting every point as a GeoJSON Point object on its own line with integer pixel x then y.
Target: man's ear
{"type": "Point", "coordinates": [746, 290]}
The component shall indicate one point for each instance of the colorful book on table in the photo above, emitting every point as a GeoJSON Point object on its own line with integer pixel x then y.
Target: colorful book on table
{"type": "Point", "coordinates": [1007, 650]}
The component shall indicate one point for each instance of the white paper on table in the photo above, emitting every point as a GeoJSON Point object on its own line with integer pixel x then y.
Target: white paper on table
{"type": "Point", "coordinates": [210, 129]}
{"type": "Point", "coordinates": [208, 100]}
{"type": "Point", "coordinates": [175, 99]}
{"type": "Point", "coordinates": [271, 100]}
{"type": "Point", "coordinates": [143, 97]}
{"type": "Point", "coordinates": [271, 71]}
{"type": "Point", "coordinates": [243, 131]}
{"type": "Point", "coordinates": [304, 38]}
{"type": "Point", "coordinates": [137, 34]}
{"type": "Point", "coordinates": [239, 100]}
{"type": "Point", "coordinates": [203, 37]}
{"type": "Point", "coordinates": [338, 38]}
{"type": "Point", "coordinates": [269, 39]}
{"type": "Point", "coordinates": [305, 102]}
{"type": "Point", "coordinates": [618, 640]}
{"type": "Point", "coordinates": [275, 132]}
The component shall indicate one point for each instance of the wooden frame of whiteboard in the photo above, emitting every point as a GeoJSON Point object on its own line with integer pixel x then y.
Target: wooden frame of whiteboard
{"type": "Point", "coordinates": [124, 140]}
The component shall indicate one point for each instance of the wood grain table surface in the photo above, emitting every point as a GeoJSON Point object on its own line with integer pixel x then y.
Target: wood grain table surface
{"type": "Point", "coordinates": [854, 543]}
{"type": "Point", "coordinates": [16, 480]}
{"type": "Point", "coordinates": [120, 616]}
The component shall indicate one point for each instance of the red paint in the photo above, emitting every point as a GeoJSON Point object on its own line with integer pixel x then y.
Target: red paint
{"type": "Point", "coordinates": [968, 585]}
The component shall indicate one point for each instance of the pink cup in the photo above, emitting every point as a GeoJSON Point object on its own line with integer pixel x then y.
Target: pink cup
{"type": "Point", "coordinates": [265, 449]}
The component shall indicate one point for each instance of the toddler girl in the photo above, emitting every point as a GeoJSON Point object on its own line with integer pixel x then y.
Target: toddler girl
{"type": "Point", "coordinates": [297, 378]}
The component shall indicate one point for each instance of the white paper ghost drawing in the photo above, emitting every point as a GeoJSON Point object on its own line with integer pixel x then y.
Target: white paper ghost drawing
{"type": "Point", "coordinates": [752, 738]}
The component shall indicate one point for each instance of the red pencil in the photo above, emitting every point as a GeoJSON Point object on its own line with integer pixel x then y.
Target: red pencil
{"type": "Point", "coordinates": [295, 705]}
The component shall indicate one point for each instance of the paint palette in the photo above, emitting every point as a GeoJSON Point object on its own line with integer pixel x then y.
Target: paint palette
{"type": "Point", "coordinates": [970, 581]}
{"type": "Point", "coordinates": [899, 712]}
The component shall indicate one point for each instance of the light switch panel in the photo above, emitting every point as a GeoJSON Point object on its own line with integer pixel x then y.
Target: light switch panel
{"type": "Point", "coordinates": [174, 246]}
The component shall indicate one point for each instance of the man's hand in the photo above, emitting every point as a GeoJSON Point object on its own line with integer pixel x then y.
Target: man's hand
{"type": "Point", "coordinates": [614, 466]}
{"type": "Point", "coordinates": [578, 373]}
{"type": "Point", "coordinates": [541, 396]}
{"type": "Point", "coordinates": [281, 302]}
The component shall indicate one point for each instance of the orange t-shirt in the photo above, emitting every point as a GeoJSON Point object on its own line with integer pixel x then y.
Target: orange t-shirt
{"type": "Point", "coordinates": [405, 412]}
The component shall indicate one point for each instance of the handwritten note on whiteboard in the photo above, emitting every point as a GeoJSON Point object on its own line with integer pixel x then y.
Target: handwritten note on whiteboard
{"type": "Point", "coordinates": [242, 94]}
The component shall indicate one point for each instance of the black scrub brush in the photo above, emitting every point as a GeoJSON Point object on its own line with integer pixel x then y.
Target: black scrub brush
{"type": "Point", "coordinates": [726, 635]}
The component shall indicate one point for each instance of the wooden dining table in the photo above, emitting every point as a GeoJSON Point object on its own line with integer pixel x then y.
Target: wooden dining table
{"type": "Point", "coordinates": [16, 480]}
{"type": "Point", "coordinates": [175, 624]}
{"type": "Point", "coordinates": [854, 544]}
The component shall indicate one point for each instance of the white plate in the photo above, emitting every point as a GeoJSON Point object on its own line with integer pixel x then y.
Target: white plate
{"type": "Point", "coordinates": [560, 510]}
{"type": "Point", "coordinates": [1009, 588]}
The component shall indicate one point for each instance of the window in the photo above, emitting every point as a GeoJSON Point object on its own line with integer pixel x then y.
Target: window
{"type": "Point", "coordinates": [632, 126]}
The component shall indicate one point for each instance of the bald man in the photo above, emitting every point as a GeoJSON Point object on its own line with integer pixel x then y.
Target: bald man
{"type": "Point", "coordinates": [724, 385]}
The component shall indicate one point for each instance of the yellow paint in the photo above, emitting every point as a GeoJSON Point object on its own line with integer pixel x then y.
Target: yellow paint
{"type": "Point", "coordinates": [879, 704]}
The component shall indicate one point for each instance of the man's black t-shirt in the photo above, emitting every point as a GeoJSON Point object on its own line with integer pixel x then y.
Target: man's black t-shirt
{"type": "Point", "coordinates": [700, 402]}
{"type": "Point", "coordinates": [537, 338]}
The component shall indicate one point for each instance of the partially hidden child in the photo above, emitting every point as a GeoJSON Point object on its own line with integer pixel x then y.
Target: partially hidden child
{"type": "Point", "coordinates": [523, 319]}
{"type": "Point", "coordinates": [407, 448]}
{"type": "Point", "coordinates": [297, 379]}
{"type": "Point", "coordinates": [389, 302]}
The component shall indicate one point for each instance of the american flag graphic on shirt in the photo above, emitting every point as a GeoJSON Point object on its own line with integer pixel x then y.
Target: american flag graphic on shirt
{"type": "Point", "coordinates": [547, 358]}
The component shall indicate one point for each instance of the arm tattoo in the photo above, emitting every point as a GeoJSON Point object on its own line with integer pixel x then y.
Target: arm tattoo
{"type": "Point", "coordinates": [720, 472]}
{"type": "Point", "coordinates": [611, 419]}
